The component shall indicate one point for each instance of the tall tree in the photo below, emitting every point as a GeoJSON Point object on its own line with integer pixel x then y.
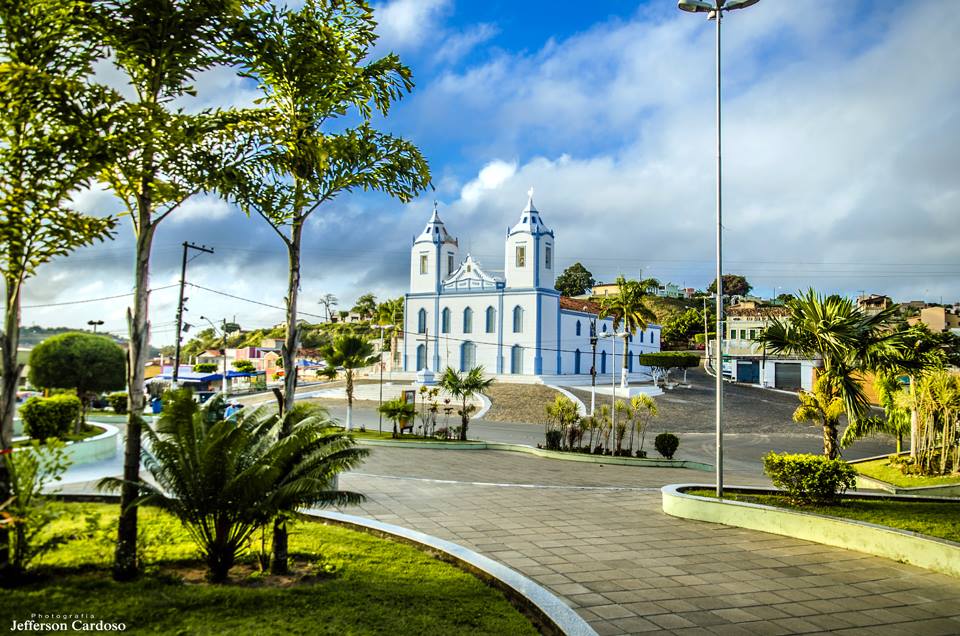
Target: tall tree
{"type": "Point", "coordinates": [390, 312]}
{"type": "Point", "coordinates": [629, 313]}
{"type": "Point", "coordinates": [366, 306]}
{"type": "Point", "coordinates": [733, 285]}
{"type": "Point", "coordinates": [85, 362]}
{"type": "Point", "coordinates": [329, 301]}
{"type": "Point", "coordinates": [351, 352]}
{"type": "Point", "coordinates": [574, 280]}
{"type": "Point", "coordinates": [165, 156]}
{"type": "Point", "coordinates": [312, 69]}
{"type": "Point", "coordinates": [836, 332]}
{"type": "Point", "coordinates": [54, 128]}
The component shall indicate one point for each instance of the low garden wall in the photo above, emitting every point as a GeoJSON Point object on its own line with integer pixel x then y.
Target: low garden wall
{"type": "Point", "coordinates": [931, 553]}
{"type": "Point", "coordinates": [93, 449]}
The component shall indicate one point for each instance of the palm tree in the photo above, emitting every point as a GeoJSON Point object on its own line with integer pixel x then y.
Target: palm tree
{"type": "Point", "coordinates": [642, 409]}
{"type": "Point", "coordinates": [627, 309]}
{"type": "Point", "coordinates": [224, 480]}
{"type": "Point", "coordinates": [390, 312]}
{"type": "Point", "coordinates": [351, 352]}
{"type": "Point", "coordinates": [896, 420]}
{"type": "Point", "coordinates": [463, 387]}
{"type": "Point", "coordinates": [397, 410]}
{"type": "Point", "coordinates": [834, 331]}
{"type": "Point", "coordinates": [564, 412]}
{"type": "Point", "coordinates": [824, 407]}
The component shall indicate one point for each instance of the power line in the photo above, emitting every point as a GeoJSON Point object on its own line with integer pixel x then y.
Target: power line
{"type": "Point", "coordinates": [92, 300]}
{"type": "Point", "coordinates": [249, 300]}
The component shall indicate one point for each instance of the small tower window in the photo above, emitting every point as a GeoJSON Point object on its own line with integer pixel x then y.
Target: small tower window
{"type": "Point", "coordinates": [445, 320]}
{"type": "Point", "coordinates": [423, 263]}
{"type": "Point", "coordinates": [449, 262]}
{"type": "Point", "coordinates": [422, 321]}
{"type": "Point", "coordinates": [521, 255]}
{"type": "Point", "coordinates": [467, 320]}
{"type": "Point", "coordinates": [491, 319]}
{"type": "Point", "coordinates": [578, 327]}
{"type": "Point", "coordinates": [548, 257]}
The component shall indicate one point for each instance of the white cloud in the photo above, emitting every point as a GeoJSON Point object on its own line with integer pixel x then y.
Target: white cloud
{"type": "Point", "coordinates": [457, 45]}
{"type": "Point", "coordinates": [201, 208]}
{"type": "Point", "coordinates": [490, 178]}
{"type": "Point", "coordinates": [406, 23]}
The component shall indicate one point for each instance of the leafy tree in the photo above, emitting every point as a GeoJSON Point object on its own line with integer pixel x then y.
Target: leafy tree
{"type": "Point", "coordinates": [205, 367]}
{"type": "Point", "coordinates": [366, 306]}
{"type": "Point", "coordinates": [244, 366]}
{"type": "Point", "coordinates": [643, 408]}
{"type": "Point", "coordinates": [163, 156]}
{"type": "Point", "coordinates": [574, 280]}
{"type": "Point", "coordinates": [329, 301]}
{"type": "Point", "coordinates": [629, 314]}
{"type": "Point", "coordinates": [54, 128]}
{"type": "Point", "coordinates": [90, 364]}
{"type": "Point", "coordinates": [895, 420]}
{"type": "Point", "coordinates": [224, 480]}
{"type": "Point", "coordinates": [847, 341]}
{"type": "Point", "coordinates": [679, 329]}
{"type": "Point", "coordinates": [785, 297]}
{"type": "Point", "coordinates": [463, 386]}
{"type": "Point", "coordinates": [733, 285]}
{"type": "Point", "coordinates": [351, 352]}
{"type": "Point", "coordinates": [822, 407]}
{"type": "Point", "coordinates": [663, 361]}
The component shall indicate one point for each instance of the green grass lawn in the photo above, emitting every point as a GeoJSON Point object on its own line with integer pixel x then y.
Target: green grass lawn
{"type": "Point", "coordinates": [884, 471]}
{"type": "Point", "coordinates": [365, 585]}
{"type": "Point", "coordinates": [89, 430]}
{"type": "Point", "coordinates": [936, 519]}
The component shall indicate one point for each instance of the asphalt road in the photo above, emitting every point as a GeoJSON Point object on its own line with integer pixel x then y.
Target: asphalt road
{"type": "Point", "coordinates": [756, 421]}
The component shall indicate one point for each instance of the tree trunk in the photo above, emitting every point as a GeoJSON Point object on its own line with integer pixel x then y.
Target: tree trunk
{"type": "Point", "coordinates": [626, 358]}
{"type": "Point", "coordinates": [349, 424]}
{"type": "Point", "coordinates": [9, 341]}
{"type": "Point", "coordinates": [464, 421]}
{"type": "Point", "coordinates": [830, 440]}
{"type": "Point", "coordinates": [280, 564]}
{"type": "Point", "coordinates": [125, 559]}
{"type": "Point", "coordinates": [914, 424]}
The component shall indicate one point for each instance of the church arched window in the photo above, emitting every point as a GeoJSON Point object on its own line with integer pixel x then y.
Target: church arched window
{"type": "Point", "coordinates": [421, 357]}
{"type": "Point", "coordinates": [467, 320]}
{"type": "Point", "coordinates": [468, 356]}
{"type": "Point", "coordinates": [491, 320]}
{"type": "Point", "coordinates": [576, 357]}
{"type": "Point", "coordinates": [578, 327]}
{"type": "Point", "coordinates": [516, 359]}
{"type": "Point", "coordinates": [518, 319]}
{"type": "Point", "coordinates": [422, 321]}
{"type": "Point", "coordinates": [445, 320]}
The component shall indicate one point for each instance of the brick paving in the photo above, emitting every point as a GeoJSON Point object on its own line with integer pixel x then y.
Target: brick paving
{"type": "Point", "coordinates": [596, 536]}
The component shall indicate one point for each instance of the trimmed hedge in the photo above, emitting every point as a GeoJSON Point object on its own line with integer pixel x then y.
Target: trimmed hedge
{"type": "Point", "coordinates": [205, 367]}
{"type": "Point", "coordinates": [807, 478]}
{"type": "Point", "coordinates": [666, 444]}
{"type": "Point", "coordinates": [118, 402]}
{"type": "Point", "coordinates": [670, 360]}
{"type": "Point", "coordinates": [50, 417]}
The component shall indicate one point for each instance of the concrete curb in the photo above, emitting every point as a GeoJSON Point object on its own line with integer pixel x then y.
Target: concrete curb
{"type": "Point", "coordinates": [581, 407]}
{"type": "Point", "coordinates": [552, 613]}
{"type": "Point", "coordinates": [93, 449]}
{"type": "Point", "coordinates": [931, 553]}
{"type": "Point", "coordinates": [864, 481]}
{"type": "Point", "coordinates": [542, 452]}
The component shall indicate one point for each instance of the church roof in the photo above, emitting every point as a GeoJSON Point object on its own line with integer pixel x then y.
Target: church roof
{"type": "Point", "coordinates": [470, 276]}
{"type": "Point", "coordinates": [435, 232]}
{"type": "Point", "coordinates": [530, 219]}
{"type": "Point", "coordinates": [579, 304]}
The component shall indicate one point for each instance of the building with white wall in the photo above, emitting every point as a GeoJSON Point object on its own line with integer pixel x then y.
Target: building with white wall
{"type": "Point", "coordinates": [517, 326]}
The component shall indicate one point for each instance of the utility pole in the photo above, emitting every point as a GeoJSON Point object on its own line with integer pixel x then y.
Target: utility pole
{"type": "Point", "coordinates": [706, 332]}
{"type": "Point", "coordinates": [187, 246]}
{"type": "Point", "coordinates": [379, 413]}
{"type": "Point", "coordinates": [593, 365]}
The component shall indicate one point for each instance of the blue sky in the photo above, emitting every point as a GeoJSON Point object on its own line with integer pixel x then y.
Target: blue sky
{"type": "Point", "coordinates": [841, 144]}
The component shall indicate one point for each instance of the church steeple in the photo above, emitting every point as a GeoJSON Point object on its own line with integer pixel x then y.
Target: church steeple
{"type": "Point", "coordinates": [433, 256]}
{"type": "Point", "coordinates": [530, 250]}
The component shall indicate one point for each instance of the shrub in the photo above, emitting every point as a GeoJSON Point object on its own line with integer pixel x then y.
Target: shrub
{"type": "Point", "coordinates": [205, 367]}
{"type": "Point", "coordinates": [49, 417]}
{"type": "Point", "coordinates": [809, 478]}
{"type": "Point", "coordinates": [118, 402]}
{"type": "Point", "coordinates": [666, 444]}
{"type": "Point", "coordinates": [553, 439]}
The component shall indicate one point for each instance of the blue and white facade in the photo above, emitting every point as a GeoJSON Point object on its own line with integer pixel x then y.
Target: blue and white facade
{"type": "Point", "coordinates": [458, 315]}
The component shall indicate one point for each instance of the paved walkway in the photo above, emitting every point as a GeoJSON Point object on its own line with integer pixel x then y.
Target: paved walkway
{"type": "Point", "coordinates": [595, 535]}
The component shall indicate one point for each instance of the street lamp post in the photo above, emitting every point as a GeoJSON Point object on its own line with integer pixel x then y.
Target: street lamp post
{"type": "Point", "coordinates": [613, 379]}
{"type": "Point", "coordinates": [382, 328]}
{"type": "Point", "coordinates": [714, 11]}
{"type": "Point", "coordinates": [593, 365]}
{"type": "Point", "coordinates": [94, 324]}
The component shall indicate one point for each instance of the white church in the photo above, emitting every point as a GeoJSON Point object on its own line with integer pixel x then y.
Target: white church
{"type": "Point", "coordinates": [517, 326]}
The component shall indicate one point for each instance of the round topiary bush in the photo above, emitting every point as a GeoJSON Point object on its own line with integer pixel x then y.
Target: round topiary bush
{"type": "Point", "coordinates": [666, 444]}
{"type": "Point", "coordinates": [49, 417]}
{"type": "Point", "coordinates": [118, 402]}
{"type": "Point", "coordinates": [807, 478]}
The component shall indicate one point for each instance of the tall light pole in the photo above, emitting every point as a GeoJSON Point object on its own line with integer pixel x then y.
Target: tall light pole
{"type": "Point", "coordinates": [613, 379]}
{"type": "Point", "coordinates": [94, 324]}
{"type": "Point", "coordinates": [714, 11]}
{"type": "Point", "coordinates": [382, 328]}
{"type": "Point", "coordinates": [593, 365]}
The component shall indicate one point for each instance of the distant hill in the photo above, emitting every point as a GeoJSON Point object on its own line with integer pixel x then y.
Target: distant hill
{"type": "Point", "coordinates": [35, 334]}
